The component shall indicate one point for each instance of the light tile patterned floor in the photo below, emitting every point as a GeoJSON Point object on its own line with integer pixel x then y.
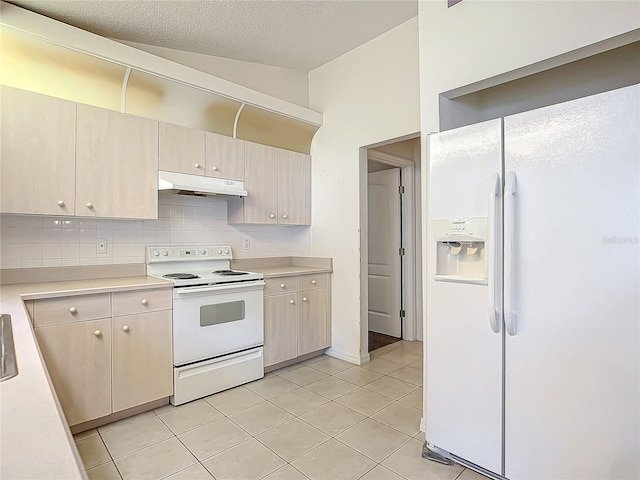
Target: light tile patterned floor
{"type": "Point", "coordinates": [322, 419]}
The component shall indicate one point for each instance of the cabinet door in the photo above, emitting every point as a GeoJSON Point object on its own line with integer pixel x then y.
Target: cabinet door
{"type": "Point", "coordinates": [116, 164]}
{"type": "Point", "coordinates": [181, 149]}
{"type": "Point", "coordinates": [225, 157]}
{"type": "Point", "coordinates": [292, 187]}
{"type": "Point", "coordinates": [78, 359]}
{"type": "Point", "coordinates": [280, 328]}
{"type": "Point", "coordinates": [142, 359]}
{"type": "Point", "coordinates": [261, 181]}
{"type": "Point", "coordinates": [37, 156]}
{"type": "Point", "coordinates": [312, 320]}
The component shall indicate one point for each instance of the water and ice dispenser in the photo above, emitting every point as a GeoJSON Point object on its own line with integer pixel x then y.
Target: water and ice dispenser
{"type": "Point", "coordinates": [461, 252]}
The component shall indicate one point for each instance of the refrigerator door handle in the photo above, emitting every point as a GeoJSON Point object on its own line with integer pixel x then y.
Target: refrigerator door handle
{"type": "Point", "coordinates": [509, 216]}
{"type": "Point", "coordinates": [494, 271]}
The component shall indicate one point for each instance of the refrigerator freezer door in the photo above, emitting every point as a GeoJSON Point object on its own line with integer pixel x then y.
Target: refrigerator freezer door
{"type": "Point", "coordinates": [463, 354]}
{"type": "Point", "coordinates": [572, 366]}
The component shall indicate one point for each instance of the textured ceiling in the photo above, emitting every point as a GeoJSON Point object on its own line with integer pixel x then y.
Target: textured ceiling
{"type": "Point", "coordinates": [298, 34]}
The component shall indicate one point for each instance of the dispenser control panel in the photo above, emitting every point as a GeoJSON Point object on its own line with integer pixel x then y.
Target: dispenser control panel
{"type": "Point", "coordinates": [475, 229]}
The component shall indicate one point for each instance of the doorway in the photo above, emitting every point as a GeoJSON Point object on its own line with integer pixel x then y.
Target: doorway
{"type": "Point", "coordinates": [391, 282]}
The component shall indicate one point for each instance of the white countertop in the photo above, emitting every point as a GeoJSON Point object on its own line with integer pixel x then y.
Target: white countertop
{"type": "Point", "coordinates": [35, 441]}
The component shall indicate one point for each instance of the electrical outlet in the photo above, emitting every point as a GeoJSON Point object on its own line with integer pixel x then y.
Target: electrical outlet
{"type": "Point", "coordinates": [246, 245]}
{"type": "Point", "coordinates": [101, 245]}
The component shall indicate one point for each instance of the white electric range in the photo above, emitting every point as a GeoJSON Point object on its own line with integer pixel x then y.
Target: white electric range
{"type": "Point", "coordinates": [218, 326]}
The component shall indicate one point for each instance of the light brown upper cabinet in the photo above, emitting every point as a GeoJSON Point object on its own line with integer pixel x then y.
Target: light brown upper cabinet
{"type": "Point", "coordinates": [225, 157]}
{"type": "Point", "coordinates": [279, 186]}
{"type": "Point", "coordinates": [37, 158]}
{"type": "Point", "coordinates": [116, 164]}
{"type": "Point", "coordinates": [181, 149]}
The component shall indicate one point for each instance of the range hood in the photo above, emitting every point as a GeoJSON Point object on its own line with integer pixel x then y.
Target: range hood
{"type": "Point", "coordinates": [185, 184]}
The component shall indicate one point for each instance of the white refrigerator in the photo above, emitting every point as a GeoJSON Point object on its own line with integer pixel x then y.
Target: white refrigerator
{"type": "Point", "coordinates": [533, 292]}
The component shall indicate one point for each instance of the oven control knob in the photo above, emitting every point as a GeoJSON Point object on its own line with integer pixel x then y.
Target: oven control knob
{"type": "Point", "coordinates": [226, 251]}
{"type": "Point", "coordinates": [219, 251]}
{"type": "Point", "coordinates": [164, 253]}
{"type": "Point", "coordinates": [156, 253]}
{"type": "Point", "coordinates": [203, 253]}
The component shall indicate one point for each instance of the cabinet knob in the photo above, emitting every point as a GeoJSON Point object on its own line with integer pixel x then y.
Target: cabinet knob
{"type": "Point", "coordinates": [313, 282]}
{"type": "Point", "coordinates": [97, 333]}
{"type": "Point", "coordinates": [214, 168]}
{"type": "Point", "coordinates": [60, 203]}
{"type": "Point", "coordinates": [197, 165]}
{"type": "Point", "coordinates": [144, 301]}
{"type": "Point", "coordinates": [89, 205]}
{"type": "Point", "coordinates": [304, 299]}
{"type": "Point", "coordinates": [284, 216]}
{"type": "Point", "coordinates": [292, 302]}
{"type": "Point", "coordinates": [272, 216]}
{"type": "Point", "coordinates": [73, 310]}
{"type": "Point", "coordinates": [125, 328]}
{"type": "Point", "coordinates": [282, 285]}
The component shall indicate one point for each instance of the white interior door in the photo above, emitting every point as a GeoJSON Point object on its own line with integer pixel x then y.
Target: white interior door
{"type": "Point", "coordinates": [572, 367]}
{"type": "Point", "coordinates": [384, 258]}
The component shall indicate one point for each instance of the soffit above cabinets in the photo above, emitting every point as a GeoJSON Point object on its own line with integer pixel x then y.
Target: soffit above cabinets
{"type": "Point", "coordinates": [48, 57]}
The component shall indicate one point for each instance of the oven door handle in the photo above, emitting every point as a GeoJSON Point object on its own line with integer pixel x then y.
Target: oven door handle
{"type": "Point", "coordinates": [238, 286]}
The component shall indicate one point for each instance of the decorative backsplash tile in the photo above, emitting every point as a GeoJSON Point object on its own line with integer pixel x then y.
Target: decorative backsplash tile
{"type": "Point", "coordinates": [43, 241]}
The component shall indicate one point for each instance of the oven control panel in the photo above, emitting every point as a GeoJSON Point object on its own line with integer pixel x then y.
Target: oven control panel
{"type": "Point", "coordinates": [172, 254]}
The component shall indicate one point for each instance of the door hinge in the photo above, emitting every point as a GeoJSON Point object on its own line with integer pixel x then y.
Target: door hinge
{"type": "Point", "coordinates": [402, 313]}
{"type": "Point", "coordinates": [401, 189]}
{"type": "Point", "coordinates": [401, 251]}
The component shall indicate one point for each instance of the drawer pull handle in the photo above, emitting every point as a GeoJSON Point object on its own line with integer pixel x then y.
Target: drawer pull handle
{"type": "Point", "coordinates": [73, 310]}
{"type": "Point", "coordinates": [144, 301]}
{"type": "Point", "coordinates": [125, 328]}
{"type": "Point", "coordinates": [97, 333]}
{"type": "Point", "coordinates": [282, 285]}
{"type": "Point", "coordinates": [197, 165]}
{"type": "Point", "coordinates": [89, 205]}
{"type": "Point", "coordinates": [284, 216]}
{"type": "Point", "coordinates": [304, 299]}
{"type": "Point", "coordinates": [272, 216]}
{"type": "Point", "coordinates": [291, 302]}
{"type": "Point", "coordinates": [313, 282]}
{"type": "Point", "coordinates": [215, 169]}
{"type": "Point", "coordinates": [60, 203]}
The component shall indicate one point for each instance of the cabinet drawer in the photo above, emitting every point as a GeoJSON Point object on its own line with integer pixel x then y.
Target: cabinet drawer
{"type": "Point", "coordinates": [52, 311]}
{"type": "Point", "coordinates": [140, 301]}
{"type": "Point", "coordinates": [306, 282]}
{"type": "Point", "coordinates": [274, 286]}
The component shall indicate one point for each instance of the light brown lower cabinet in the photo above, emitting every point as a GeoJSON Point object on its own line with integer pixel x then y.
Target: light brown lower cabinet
{"type": "Point", "coordinates": [78, 359]}
{"type": "Point", "coordinates": [296, 321]}
{"type": "Point", "coordinates": [142, 367]}
{"type": "Point", "coordinates": [103, 366]}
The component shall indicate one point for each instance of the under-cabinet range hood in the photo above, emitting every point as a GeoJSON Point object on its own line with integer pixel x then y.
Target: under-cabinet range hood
{"type": "Point", "coordinates": [185, 184]}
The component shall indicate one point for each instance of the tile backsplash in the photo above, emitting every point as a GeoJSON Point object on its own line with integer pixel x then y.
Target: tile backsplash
{"type": "Point", "coordinates": [45, 241]}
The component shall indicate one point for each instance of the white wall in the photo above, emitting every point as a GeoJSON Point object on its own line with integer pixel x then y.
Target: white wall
{"type": "Point", "coordinates": [44, 241]}
{"type": "Point", "coordinates": [285, 83]}
{"type": "Point", "coordinates": [368, 95]}
{"type": "Point", "coordinates": [478, 39]}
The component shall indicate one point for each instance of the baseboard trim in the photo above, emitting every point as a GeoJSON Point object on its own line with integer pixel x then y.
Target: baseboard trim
{"type": "Point", "coordinates": [332, 352]}
{"type": "Point", "coordinates": [365, 358]}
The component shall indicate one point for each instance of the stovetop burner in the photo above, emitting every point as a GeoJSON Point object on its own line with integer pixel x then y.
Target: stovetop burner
{"type": "Point", "coordinates": [181, 276]}
{"type": "Point", "coordinates": [228, 273]}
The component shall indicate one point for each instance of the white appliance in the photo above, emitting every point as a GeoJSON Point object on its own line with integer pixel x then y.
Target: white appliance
{"type": "Point", "coordinates": [198, 185]}
{"type": "Point", "coordinates": [533, 292]}
{"type": "Point", "coordinates": [218, 322]}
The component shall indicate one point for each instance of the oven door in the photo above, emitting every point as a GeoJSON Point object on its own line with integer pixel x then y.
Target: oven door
{"type": "Point", "coordinates": [210, 321]}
